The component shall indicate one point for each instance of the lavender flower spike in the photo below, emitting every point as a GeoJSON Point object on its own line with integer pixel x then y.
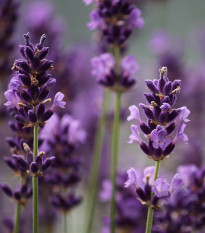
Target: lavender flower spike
{"type": "Point", "coordinates": [166, 124]}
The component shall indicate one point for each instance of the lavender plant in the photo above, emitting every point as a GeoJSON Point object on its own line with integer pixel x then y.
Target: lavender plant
{"type": "Point", "coordinates": [165, 125]}
{"type": "Point", "coordinates": [115, 21]}
{"type": "Point", "coordinates": [65, 136]}
{"type": "Point", "coordinates": [28, 93]}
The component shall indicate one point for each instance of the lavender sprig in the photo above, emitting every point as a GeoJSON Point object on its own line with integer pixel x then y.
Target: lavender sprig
{"type": "Point", "coordinates": [165, 125]}
{"type": "Point", "coordinates": [28, 93]}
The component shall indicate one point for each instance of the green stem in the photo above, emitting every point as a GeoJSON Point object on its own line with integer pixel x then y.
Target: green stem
{"type": "Point", "coordinates": [35, 184]}
{"type": "Point", "coordinates": [115, 152]}
{"type": "Point", "coordinates": [150, 209]}
{"type": "Point", "coordinates": [92, 192]}
{"type": "Point", "coordinates": [65, 222]}
{"type": "Point", "coordinates": [17, 217]}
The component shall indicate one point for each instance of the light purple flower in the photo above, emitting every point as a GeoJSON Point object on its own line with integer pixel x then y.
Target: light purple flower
{"type": "Point", "coordinates": [159, 139]}
{"type": "Point", "coordinates": [177, 182]}
{"type": "Point", "coordinates": [187, 172]}
{"type": "Point", "coordinates": [165, 107]}
{"type": "Point", "coordinates": [136, 19]}
{"type": "Point", "coordinates": [161, 188]}
{"type": "Point", "coordinates": [132, 178]}
{"type": "Point", "coordinates": [12, 98]}
{"type": "Point", "coordinates": [149, 173]}
{"type": "Point", "coordinates": [129, 66]}
{"type": "Point", "coordinates": [95, 20]}
{"type": "Point", "coordinates": [102, 66]}
{"type": "Point", "coordinates": [183, 114]}
{"type": "Point", "coordinates": [180, 134]}
{"type": "Point", "coordinates": [88, 2]}
{"type": "Point", "coordinates": [134, 114]}
{"type": "Point", "coordinates": [106, 193]}
{"type": "Point", "coordinates": [134, 137]}
{"type": "Point", "coordinates": [58, 101]}
{"type": "Point", "coordinates": [76, 133]}
{"type": "Point", "coordinates": [15, 84]}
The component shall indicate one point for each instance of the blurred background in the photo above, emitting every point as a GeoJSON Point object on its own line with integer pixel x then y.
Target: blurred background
{"type": "Point", "coordinates": [173, 36]}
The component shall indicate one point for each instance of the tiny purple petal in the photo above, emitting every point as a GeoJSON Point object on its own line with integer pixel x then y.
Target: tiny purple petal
{"type": "Point", "coordinates": [134, 114]}
{"type": "Point", "coordinates": [180, 134]}
{"type": "Point", "coordinates": [58, 101]}
{"type": "Point", "coordinates": [135, 137]}
{"type": "Point", "coordinates": [177, 182]}
{"type": "Point", "coordinates": [132, 178]}
{"type": "Point", "coordinates": [161, 188]}
{"type": "Point", "coordinates": [136, 19]}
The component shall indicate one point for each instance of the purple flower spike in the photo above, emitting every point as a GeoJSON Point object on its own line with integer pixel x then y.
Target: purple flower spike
{"type": "Point", "coordinates": [161, 188]}
{"type": "Point", "coordinates": [132, 178]}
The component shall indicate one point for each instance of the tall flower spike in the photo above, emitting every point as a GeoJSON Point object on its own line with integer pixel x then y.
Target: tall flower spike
{"type": "Point", "coordinates": [164, 120]}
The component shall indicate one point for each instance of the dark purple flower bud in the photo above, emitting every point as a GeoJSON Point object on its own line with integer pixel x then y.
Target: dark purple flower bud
{"type": "Point", "coordinates": [46, 163]}
{"type": "Point", "coordinates": [176, 84]}
{"type": "Point", "coordinates": [162, 117]}
{"type": "Point", "coordinates": [26, 97]}
{"type": "Point", "coordinates": [17, 195]}
{"type": "Point", "coordinates": [167, 88]}
{"type": "Point", "coordinates": [43, 53]}
{"type": "Point", "coordinates": [47, 115]}
{"type": "Point", "coordinates": [148, 191]}
{"type": "Point", "coordinates": [45, 65]}
{"type": "Point", "coordinates": [149, 97]}
{"type": "Point", "coordinates": [20, 119]}
{"type": "Point", "coordinates": [43, 94]}
{"type": "Point", "coordinates": [11, 142]}
{"type": "Point", "coordinates": [34, 167]}
{"type": "Point", "coordinates": [156, 112]}
{"type": "Point", "coordinates": [29, 157]}
{"type": "Point", "coordinates": [32, 116]}
{"type": "Point", "coordinates": [158, 152]}
{"type": "Point", "coordinates": [7, 190]}
{"type": "Point", "coordinates": [172, 116]}
{"type": "Point", "coordinates": [151, 86]}
{"type": "Point", "coordinates": [29, 53]}
{"type": "Point", "coordinates": [25, 80]}
{"type": "Point", "coordinates": [148, 112]}
{"type": "Point", "coordinates": [145, 129]}
{"type": "Point", "coordinates": [170, 128]}
{"type": "Point", "coordinates": [43, 79]}
{"type": "Point", "coordinates": [38, 161]}
{"type": "Point", "coordinates": [12, 126]}
{"type": "Point", "coordinates": [24, 66]}
{"type": "Point", "coordinates": [145, 148]}
{"type": "Point", "coordinates": [21, 162]}
{"type": "Point", "coordinates": [10, 163]}
{"type": "Point", "coordinates": [169, 149]}
{"type": "Point", "coordinates": [155, 200]}
{"type": "Point", "coordinates": [140, 192]}
{"type": "Point", "coordinates": [40, 110]}
{"type": "Point", "coordinates": [161, 84]}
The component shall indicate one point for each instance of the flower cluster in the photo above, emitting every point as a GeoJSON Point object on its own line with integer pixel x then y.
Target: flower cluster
{"type": "Point", "coordinates": [146, 186]}
{"type": "Point", "coordinates": [8, 18]}
{"type": "Point", "coordinates": [128, 207]}
{"type": "Point", "coordinates": [62, 137]}
{"type": "Point", "coordinates": [104, 69]}
{"type": "Point", "coordinates": [21, 194]}
{"type": "Point", "coordinates": [29, 89]}
{"type": "Point", "coordinates": [115, 20]}
{"type": "Point", "coordinates": [184, 211]}
{"type": "Point", "coordinates": [163, 118]}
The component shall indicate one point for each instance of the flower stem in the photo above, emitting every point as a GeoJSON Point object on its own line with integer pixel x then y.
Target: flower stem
{"type": "Point", "coordinates": [65, 222]}
{"type": "Point", "coordinates": [150, 209]}
{"type": "Point", "coordinates": [17, 217]}
{"type": "Point", "coordinates": [92, 192]}
{"type": "Point", "coordinates": [115, 151]}
{"type": "Point", "coordinates": [35, 184]}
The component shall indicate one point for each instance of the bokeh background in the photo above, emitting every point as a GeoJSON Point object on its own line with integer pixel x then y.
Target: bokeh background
{"type": "Point", "coordinates": [179, 25]}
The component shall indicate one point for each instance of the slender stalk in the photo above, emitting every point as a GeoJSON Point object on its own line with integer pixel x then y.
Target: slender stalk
{"type": "Point", "coordinates": [150, 209]}
{"type": "Point", "coordinates": [35, 184]}
{"type": "Point", "coordinates": [115, 141]}
{"type": "Point", "coordinates": [92, 192]}
{"type": "Point", "coordinates": [17, 218]}
{"type": "Point", "coordinates": [115, 151]}
{"type": "Point", "coordinates": [65, 222]}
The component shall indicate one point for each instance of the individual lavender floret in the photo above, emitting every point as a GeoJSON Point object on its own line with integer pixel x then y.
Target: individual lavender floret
{"type": "Point", "coordinates": [184, 211]}
{"type": "Point", "coordinates": [65, 136]}
{"type": "Point", "coordinates": [160, 187]}
{"type": "Point", "coordinates": [114, 20]}
{"type": "Point", "coordinates": [29, 89]}
{"type": "Point", "coordinates": [104, 69]}
{"type": "Point", "coordinates": [8, 18]}
{"type": "Point", "coordinates": [166, 124]}
{"type": "Point", "coordinates": [130, 213]}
